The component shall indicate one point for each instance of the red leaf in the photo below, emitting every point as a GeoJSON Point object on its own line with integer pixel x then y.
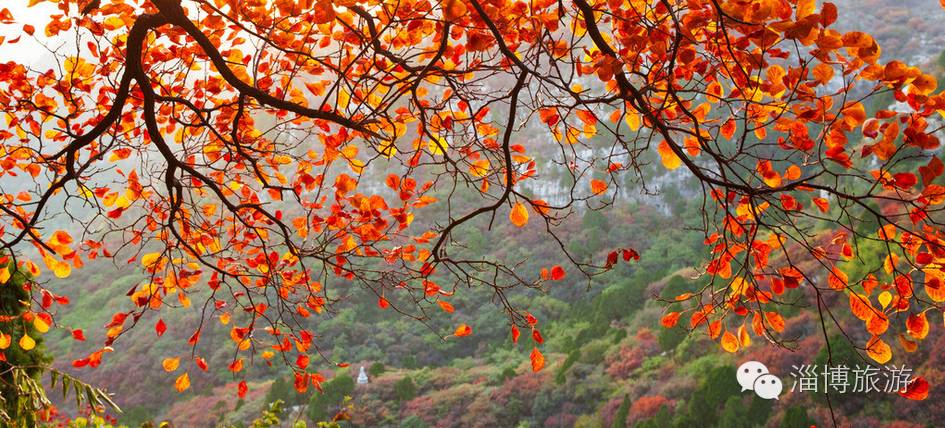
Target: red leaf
{"type": "Point", "coordinates": [160, 327]}
{"type": "Point", "coordinates": [77, 334]}
{"type": "Point", "coordinates": [905, 180]}
{"type": "Point", "coordinates": [194, 338]}
{"type": "Point", "coordinates": [918, 389]}
{"type": "Point", "coordinates": [931, 171]}
{"type": "Point", "coordinates": [302, 361]}
{"type": "Point", "coordinates": [536, 335]}
{"type": "Point", "coordinates": [515, 334]}
{"type": "Point", "coordinates": [241, 389]}
{"type": "Point", "coordinates": [557, 273]}
{"type": "Point", "coordinates": [531, 319]}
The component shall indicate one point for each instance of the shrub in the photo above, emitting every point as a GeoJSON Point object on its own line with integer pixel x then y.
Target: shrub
{"type": "Point", "coordinates": [376, 369]}
{"type": "Point", "coordinates": [404, 389]}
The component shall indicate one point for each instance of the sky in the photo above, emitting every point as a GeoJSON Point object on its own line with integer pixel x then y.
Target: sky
{"type": "Point", "coordinates": [27, 50]}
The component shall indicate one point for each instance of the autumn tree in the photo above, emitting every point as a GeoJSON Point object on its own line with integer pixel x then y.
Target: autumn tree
{"type": "Point", "coordinates": [265, 153]}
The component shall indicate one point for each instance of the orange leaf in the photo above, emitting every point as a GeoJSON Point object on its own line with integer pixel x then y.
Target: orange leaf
{"type": "Point", "coordinates": [878, 350]}
{"type": "Point", "coordinates": [538, 360]}
{"type": "Point", "coordinates": [775, 320]}
{"type": "Point", "coordinates": [668, 157]}
{"type": "Point", "coordinates": [462, 330]}
{"type": "Point", "coordinates": [445, 306]}
{"type": "Point", "coordinates": [182, 383]}
{"type": "Point", "coordinates": [878, 323]}
{"type": "Point", "coordinates": [519, 215]}
{"type": "Point", "coordinates": [860, 306]}
{"type": "Point", "coordinates": [837, 279]}
{"type": "Point", "coordinates": [323, 12]}
{"type": "Point", "coordinates": [729, 342]}
{"type": "Point", "coordinates": [743, 338]}
{"type": "Point", "coordinates": [669, 320]}
{"type": "Point", "coordinates": [170, 364]}
{"type": "Point", "coordinates": [598, 186]}
{"type": "Point", "coordinates": [907, 344]}
{"type": "Point", "coordinates": [917, 326]}
{"type": "Point", "coordinates": [453, 9]}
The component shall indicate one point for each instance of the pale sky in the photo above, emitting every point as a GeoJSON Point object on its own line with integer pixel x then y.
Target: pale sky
{"type": "Point", "coordinates": [27, 50]}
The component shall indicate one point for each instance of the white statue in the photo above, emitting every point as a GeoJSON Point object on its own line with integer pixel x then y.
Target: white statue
{"type": "Point", "coordinates": [362, 377]}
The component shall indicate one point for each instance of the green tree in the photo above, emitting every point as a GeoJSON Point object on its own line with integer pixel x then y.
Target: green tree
{"type": "Point", "coordinates": [404, 389]}
{"type": "Point", "coordinates": [796, 416]}
{"type": "Point", "coordinates": [714, 391]}
{"type": "Point", "coordinates": [376, 369]}
{"type": "Point", "coordinates": [282, 390]}
{"type": "Point", "coordinates": [323, 406]}
{"type": "Point", "coordinates": [20, 370]}
{"type": "Point", "coordinates": [661, 419]}
{"type": "Point", "coordinates": [563, 370]}
{"type": "Point", "coordinates": [736, 415]}
{"type": "Point", "coordinates": [620, 419]}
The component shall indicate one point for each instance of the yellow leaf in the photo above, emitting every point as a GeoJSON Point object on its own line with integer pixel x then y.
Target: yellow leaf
{"type": "Point", "coordinates": [4, 275]}
{"type": "Point", "coordinates": [182, 383]}
{"type": "Point", "coordinates": [170, 364]}
{"type": "Point", "coordinates": [5, 341]}
{"type": "Point", "coordinates": [632, 120]}
{"type": "Point", "coordinates": [884, 299]}
{"type": "Point", "coordinates": [27, 343]}
{"type": "Point", "coordinates": [479, 168]}
{"type": "Point", "coordinates": [519, 215]}
{"type": "Point", "coordinates": [668, 157]}
{"type": "Point", "coordinates": [59, 268]}
{"type": "Point", "coordinates": [40, 325]}
{"type": "Point", "coordinates": [152, 261]}
{"type": "Point", "coordinates": [437, 146]}
{"type": "Point", "coordinates": [244, 344]}
{"type": "Point", "coordinates": [739, 287]}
